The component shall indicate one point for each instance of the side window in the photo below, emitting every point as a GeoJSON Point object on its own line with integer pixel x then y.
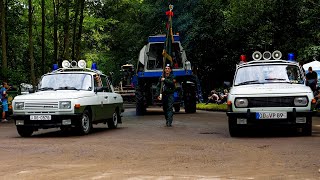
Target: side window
{"type": "Point", "coordinates": [106, 84]}
{"type": "Point", "coordinates": [97, 81]}
{"type": "Point", "coordinates": [86, 85]}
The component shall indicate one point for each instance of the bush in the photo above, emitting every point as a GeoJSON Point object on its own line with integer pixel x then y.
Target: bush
{"type": "Point", "coordinates": [212, 107]}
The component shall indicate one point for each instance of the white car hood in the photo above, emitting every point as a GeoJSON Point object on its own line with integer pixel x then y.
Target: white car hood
{"type": "Point", "coordinates": [270, 88]}
{"type": "Point", "coordinates": [54, 95]}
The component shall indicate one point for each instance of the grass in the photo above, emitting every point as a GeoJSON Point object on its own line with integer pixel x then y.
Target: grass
{"type": "Point", "coordinates": [212, 107]}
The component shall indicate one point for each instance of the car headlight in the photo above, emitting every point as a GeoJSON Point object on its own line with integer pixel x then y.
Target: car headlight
{"type": "Point", "coordinates": [301, 101]}
{"type": "Point", "coordinates": [19, 105]}
{"type": "Point", "coordinates": [65, 105]}
{"type": "Point", "coordinates": [241, 102]}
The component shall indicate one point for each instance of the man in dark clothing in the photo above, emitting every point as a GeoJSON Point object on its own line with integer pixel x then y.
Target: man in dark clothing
{"type": "Point", "coordinates": [166, 95]}
{"type": "Point", "coordinates": [312, 79]}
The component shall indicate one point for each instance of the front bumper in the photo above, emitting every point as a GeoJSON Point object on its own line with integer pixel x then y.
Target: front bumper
{"type": "Point", "coordinates": [56, 121]}
{"type": "Point", "coordinates": [291, 120]}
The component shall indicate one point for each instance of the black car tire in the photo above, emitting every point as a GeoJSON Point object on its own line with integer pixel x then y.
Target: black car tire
{"type": "Point", "coordinates": [85, 125]}
{"type": "Point", "coordinates": [24, 131]}
{"type": "Point", "coordinates": [113, 123]}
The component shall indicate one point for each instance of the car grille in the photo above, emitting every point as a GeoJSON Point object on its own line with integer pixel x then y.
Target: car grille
{"type": "Point", "coordinates": [271, 102]}
{"type": "Point", "coordinates": [41, 106]}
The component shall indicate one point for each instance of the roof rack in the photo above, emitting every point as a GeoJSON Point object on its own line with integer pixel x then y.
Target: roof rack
{"type": "Point", "coordinates": [77, 69]}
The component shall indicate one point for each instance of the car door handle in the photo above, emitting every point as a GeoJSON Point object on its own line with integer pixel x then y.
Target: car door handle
{"type": "Point", "coordinates": [106, 97]}
{"type": "Point", "coordinates": [115, 97]}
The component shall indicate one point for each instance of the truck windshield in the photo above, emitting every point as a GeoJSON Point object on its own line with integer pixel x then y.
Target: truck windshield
{"type": "Point", "coordinates": [66, 82]}
{"type": "Point", "coordinates": [155, 57]}
{"type": "Point", "coordinates": [262, 74]}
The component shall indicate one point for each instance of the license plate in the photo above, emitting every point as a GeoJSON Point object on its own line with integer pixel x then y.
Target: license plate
{"type": "Point", "coordinates": [271, 115]}
{"type": "Point", "coordinates": [40, 117]}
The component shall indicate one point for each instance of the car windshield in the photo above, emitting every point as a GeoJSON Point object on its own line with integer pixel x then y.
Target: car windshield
{"type": "Point", "coordinates": [66, 82]}
{"type": "Point", "coordinates": [262, 74]}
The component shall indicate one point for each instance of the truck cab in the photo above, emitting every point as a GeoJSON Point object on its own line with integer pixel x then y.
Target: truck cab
{"type": "Point", "coordinates": [269, 91]}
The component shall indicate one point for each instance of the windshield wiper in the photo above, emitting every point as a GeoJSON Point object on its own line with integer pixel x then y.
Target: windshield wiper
{"type": "Point", "coordinates": [46, 88]}
{"type": "Point", "coordinates": [250, 82]}
{"type": "Point", "coordinates": [67, 88]}
{"type": "Point", "coordinates": [278, 79]}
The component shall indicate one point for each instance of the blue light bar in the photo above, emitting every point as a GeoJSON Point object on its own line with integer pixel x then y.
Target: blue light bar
{"type": "Point", "coordinates": [162, 38]}
{"type": "Point", "coordinates": [291, 57]}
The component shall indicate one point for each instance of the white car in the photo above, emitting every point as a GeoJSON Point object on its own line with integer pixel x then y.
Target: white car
{"type": "Point", "coordinates": [269, 93]}
{"type": "Point", "coordinates": [68, 98]}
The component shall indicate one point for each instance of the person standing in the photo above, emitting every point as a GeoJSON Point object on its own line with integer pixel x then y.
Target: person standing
{"type": "Point", "coordinates": [4, 99]}
{"type": "Point", "coordinates": [312, 79]}
{"type": "Point", "coordinates": [167, 98]}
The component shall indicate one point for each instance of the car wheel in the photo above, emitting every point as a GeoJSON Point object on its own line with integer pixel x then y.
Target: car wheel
{"type": "Point", "coordinates": [233, 130]}
{"type": "Point", "coordinates": [113, 123]}
{"type": "Point", "coordinates": [85, 123]}
{"type": "Point", "coordinates": [307, 130]}
{"type": "Point", "coordinates": [24, 131]}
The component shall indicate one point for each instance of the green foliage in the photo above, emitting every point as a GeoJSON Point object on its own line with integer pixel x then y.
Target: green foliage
{"type": "Point", "coordinates": [212, 107]}
{"type": "Point", "coordinates": [214, 33]}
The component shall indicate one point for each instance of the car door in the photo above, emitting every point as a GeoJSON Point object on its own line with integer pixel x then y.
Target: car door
{"type": "Point", "coordinates": [98, 108]}
{"type": "Point", "coordinates": [107, 97]}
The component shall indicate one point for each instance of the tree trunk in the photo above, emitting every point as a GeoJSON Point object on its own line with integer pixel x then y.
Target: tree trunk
{"type": "Point", "coordinates": [66, 32]}
{"type": "Point", "coordinates": [77, 4]}
{"type": "Point", "coordinates": [80, 30]}
{"type": "Point", "coordinates": [43, 36]}
{"type": "Point", "coordinates": [55, 32]}
{"type": "Point", "coordinates": [3, 41]}
{"type": "Point", "coordinates": [33, 77]}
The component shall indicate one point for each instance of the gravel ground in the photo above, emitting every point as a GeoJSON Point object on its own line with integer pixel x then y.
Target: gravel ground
{"type": "Point", "coordinates": [198, 146]}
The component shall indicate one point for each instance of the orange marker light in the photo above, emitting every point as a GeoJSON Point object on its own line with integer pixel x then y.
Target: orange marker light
{"type": "Point", "coordinates": [77, 106]}
{"type": "Point", "coordinates": [314, 101]}
{"type": "Point", "coordinates": [229, 103]}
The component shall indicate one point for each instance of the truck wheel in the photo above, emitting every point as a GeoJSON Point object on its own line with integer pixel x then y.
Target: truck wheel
{"type": "Point", "coordinates": [233, 130]}
{"type": "Point", "coordinates": [24, 131]}
{"type": "Point", "coordinates": [85, 123]}
{"type": "Point", "coordinates": [176, 108]}
{"type": "Point", "coordinates": [140, 106]}
{"type": "Point", "coordinates": [190, 107]}
{"type": "Point", "coordinates": [113, 123]}
{"type": "Point", "coordinates": [189, 97]}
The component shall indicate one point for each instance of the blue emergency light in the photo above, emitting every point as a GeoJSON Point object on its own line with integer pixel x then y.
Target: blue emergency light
{"type": "Point", "coordinates": [94, 66]}
{"type": "Point", "coordinates": [291, 57]}
{"type": "Point", "coordinates": [162, 38]}
{"type": "Point", "coordinates": [55, 67]}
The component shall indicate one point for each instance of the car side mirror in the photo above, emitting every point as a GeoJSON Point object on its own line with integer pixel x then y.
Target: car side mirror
{"type": "Point", "coordinates": [227, 84]}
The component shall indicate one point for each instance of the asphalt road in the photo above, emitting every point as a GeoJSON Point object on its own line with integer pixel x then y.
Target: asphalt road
{"type": "Point", "coordinates": [198, 146]}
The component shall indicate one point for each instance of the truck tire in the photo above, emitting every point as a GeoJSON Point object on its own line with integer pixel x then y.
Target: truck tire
{"type": "Point", "coordinates": [189, 97]}
{"type": "Point", "coordinates": [140, 102]}
{"type": "Point", "coordinates": [176, 108]}
{"type": "Point", "coordinates": [190, 106]}
{"type": "Point", "coordinates": [233, 130]}
{"type": "Point", "coordinates": [24, 131]}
